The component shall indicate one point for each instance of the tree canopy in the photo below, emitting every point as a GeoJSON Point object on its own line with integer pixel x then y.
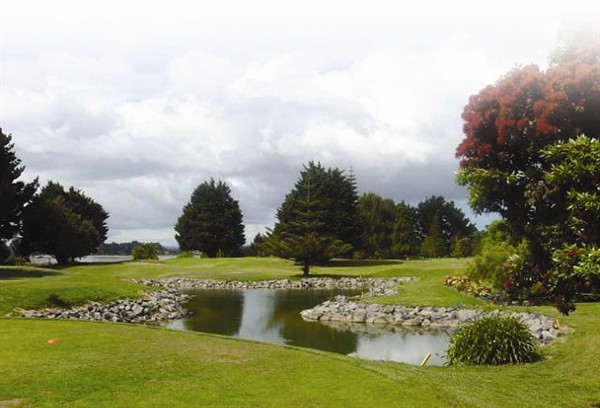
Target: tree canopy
{"type": "Point", "coordinates": [318, 219]}
{"type": "Point", "coordinates": [521, 154]}
{"type": "Point", "coordinates": [66, 224]}
{"type": "Point", "coordinates": [378, 215]}
{"type": "Point", "coordinates": [509, 123]}
{"type": "Point", "coordinates": [15, 195]}
{"type": "Point", "coordinates": [333, 201]}
{"type": "Point", "coordinates": [211, 222]}
{"type": "Point", "coordinates": [452, 223]}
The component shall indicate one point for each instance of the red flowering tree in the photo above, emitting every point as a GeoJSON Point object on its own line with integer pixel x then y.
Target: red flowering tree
{"type": "Point", "coordinates": [507, 126]}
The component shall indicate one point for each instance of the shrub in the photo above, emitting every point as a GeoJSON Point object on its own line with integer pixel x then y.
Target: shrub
{"type": "Point", "coordinates": [147, 251]}
{"type": "Point", "coordinates": [492, 340]}
{"type": "Point", "coordinates": [464, 284]}
{"type": "Point", "coordinates": [185, 254]}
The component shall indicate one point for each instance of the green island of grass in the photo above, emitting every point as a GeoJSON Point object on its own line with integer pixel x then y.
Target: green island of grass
{"type": "Point", "coordinates": [121, 365]}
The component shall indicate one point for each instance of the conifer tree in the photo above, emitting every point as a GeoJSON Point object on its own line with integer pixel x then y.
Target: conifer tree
{"type": "Point", "coordinates": [15, 195]}
{"type": "Point", "coordinates": [305, 238]}
{"type": "Point", "coordinates": [434, 245]}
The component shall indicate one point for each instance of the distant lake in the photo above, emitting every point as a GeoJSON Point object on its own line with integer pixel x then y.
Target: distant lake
{"type": "Point", "coordinates": [49, 260]}
{"type": "Point", "coordinates": [272, 316]}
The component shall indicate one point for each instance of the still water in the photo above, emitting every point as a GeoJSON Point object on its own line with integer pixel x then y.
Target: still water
{"type": "Point", "coordinates": [273, 316]}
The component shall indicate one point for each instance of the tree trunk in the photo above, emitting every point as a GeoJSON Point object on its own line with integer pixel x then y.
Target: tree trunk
{"type": "Point", "coordinates": [62, 259]}
{"type": "Point", "coordinates": [305, 270]}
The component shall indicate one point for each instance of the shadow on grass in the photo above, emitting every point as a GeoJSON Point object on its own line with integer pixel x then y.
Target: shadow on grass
{"type": "Point", "coordinates": [351, 263]}
{"type": "Point", "coordinates": [85, 264]}
{"type": "Point", "coordinates": [18, 273]}
{"type": "Point", "coordinates": [348, 263]}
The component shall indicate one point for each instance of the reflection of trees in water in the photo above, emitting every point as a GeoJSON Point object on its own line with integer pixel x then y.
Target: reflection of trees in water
{"type": "Point", "coordinates": [286, 308]}
{"type": "Point", "coordinates": [372, 331]}
{"type": "Point", "coordinates": [216, 311]}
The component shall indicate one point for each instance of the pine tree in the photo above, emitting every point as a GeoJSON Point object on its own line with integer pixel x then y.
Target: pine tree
{"type": "Point", "coordinates": [305, 239]}
{"type": "Point", "coordinates": [335, 205]}
{"type": "Point", "coordinates": [211, 222]}
{"type": "Point", "coordinates": [14, 195]}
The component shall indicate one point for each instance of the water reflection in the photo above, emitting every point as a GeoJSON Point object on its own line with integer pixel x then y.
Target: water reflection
{"type": "Point", "coordinates": [273, 316]}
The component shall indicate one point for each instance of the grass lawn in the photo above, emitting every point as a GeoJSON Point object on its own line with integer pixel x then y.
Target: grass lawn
{"type": "Point", "coordinates": [105, 364]}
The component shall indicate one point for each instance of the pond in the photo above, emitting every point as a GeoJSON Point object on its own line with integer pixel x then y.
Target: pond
{"type": "Point", "coordinates": [273, 316]}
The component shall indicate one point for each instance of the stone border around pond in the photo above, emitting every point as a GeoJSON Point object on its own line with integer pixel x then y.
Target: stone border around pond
{"type": "Point", "coordinates": [344, 310]}
{"type": "Point", "coordinates": [153, 307]}
{"type": "Point", "coordinates": [371, 286]}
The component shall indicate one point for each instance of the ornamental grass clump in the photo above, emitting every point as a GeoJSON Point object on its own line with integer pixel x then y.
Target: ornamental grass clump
{"type": "Point", "coordinates": [492, 340]}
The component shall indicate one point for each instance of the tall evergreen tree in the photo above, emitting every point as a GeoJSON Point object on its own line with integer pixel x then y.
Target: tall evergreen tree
{"type": "Point", "coordinates": [335, 204]}
{"type": "Point", "coordinates": [377, 216]}
{"type": "Point", "coordinates": [405, 242]}
{"type": "Point", "coordinates": [211, 222]}
{"type": "Point", "coordinates": [305, 238]}
{"type": "Point", "coordinates": [14, 195]}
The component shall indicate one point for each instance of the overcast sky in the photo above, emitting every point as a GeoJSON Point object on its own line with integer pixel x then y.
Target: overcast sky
{"type": "Point", "coordinates": [136, 103]}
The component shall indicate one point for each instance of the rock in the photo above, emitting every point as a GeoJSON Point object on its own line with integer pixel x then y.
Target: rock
{"type": "Point", "coordinates": [547, 336]}
{"type": "Point", "coordinates": [413, 322]}
{"type": "Point", "coordinates": [137, 309]}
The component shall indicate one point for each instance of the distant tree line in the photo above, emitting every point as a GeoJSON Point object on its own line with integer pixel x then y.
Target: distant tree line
{"type": "Point", "coordinates": [126, 248]}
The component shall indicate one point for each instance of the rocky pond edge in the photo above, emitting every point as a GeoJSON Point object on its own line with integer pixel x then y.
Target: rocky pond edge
{"type": "Point", "coordinates": [165, 304]}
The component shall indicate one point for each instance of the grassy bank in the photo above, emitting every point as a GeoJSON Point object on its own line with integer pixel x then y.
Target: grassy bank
{"type": "Point", "coordinates": [102, 364]}
{"type": "Point", "coordinates": [30, 288]}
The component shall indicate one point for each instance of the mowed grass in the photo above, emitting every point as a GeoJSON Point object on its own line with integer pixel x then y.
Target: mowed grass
{"type": "Point", "coordinates": [29, 288]}
{"type": "Point", "coordinates": [105, 364]}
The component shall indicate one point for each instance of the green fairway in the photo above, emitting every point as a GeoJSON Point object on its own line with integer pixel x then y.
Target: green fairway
{"type": "Point", "coordinates": [105, 364]}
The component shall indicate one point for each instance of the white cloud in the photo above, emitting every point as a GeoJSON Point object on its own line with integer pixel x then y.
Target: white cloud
{"type": "Point", "coordinates": [138, 105]}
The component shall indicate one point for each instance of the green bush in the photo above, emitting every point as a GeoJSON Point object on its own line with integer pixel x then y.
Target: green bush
{"type": "Point", "coordinates": [492, 340]}
{"type": "Point", "coordinates": [147, 251]}
{"type": "Point", "coordinates": [185, 254]}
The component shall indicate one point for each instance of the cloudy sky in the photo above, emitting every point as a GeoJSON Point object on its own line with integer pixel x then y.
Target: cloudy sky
{"type": "Point", "coordinates": [136, 103]}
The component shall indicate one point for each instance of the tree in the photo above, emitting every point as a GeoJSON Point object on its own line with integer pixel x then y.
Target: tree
{"type": "Point", "coordinates": [508, 124]}
{"type": "Point", "coordinates": [377, 216]}
{"type": "Point", "coordinates": [452, 221]}
{"type": "Point", "coordinates": [434, 245]}
{"type": "Point", "coordinates": [405, 242]}
{"type": "Point", "coordinates": [66, 224]}
{"type": "Point", "coordinates": [573, 182]}
{"type": "Point", "coordinates": [211, 222]}
{"type": "Point", "coordinates": [145, 251]}
{"type": "Point", "coordinates": [305, 238]}
{"type": "Point", "coordinates": [504, 159]}
{"type": "Point", "coordinates": [14, 195]}
{"type": "Point", "coordinates": [335, 204]}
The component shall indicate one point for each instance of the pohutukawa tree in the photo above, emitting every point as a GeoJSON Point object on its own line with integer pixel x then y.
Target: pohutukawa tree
{"type": "Point", "coordinates": [211, 222]}
{"type": "Point", "coordinates": [507, 127]}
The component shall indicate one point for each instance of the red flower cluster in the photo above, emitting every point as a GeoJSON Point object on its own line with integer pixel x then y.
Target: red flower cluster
{"type": "Point", "coordinates": [528, 103]}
